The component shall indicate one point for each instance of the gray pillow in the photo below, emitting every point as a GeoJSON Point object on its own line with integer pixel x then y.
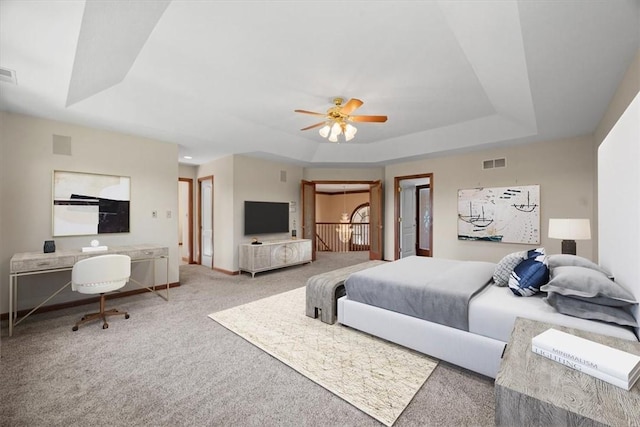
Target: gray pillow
{"type": "Point", "coordinates": [505, 267]}
{"type": "Point", "coordinates": [586, 310]}
{"type": "Point", "coordinates": [588, 284]}
{"type": "Point", "coordinates": [566, 260]}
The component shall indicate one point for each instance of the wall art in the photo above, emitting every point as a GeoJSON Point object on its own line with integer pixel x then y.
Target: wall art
{"type": "Point", "coordinates": [500, 214]}
{"type": "Point", "coordinates": [86, 203]}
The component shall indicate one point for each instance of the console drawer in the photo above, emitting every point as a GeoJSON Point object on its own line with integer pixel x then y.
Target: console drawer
{"type": "Point", "coordinates": [44, 263]}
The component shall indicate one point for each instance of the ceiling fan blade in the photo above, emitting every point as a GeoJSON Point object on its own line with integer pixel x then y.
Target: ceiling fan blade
{"type": "Point", "coordinates": [351, 106]}
{"type": "Point", "coordinates": [310, 112]}
{"type": "Point", "coordinates": [317, 125]}
{"type": "Point", "coordinates": [377, 119]}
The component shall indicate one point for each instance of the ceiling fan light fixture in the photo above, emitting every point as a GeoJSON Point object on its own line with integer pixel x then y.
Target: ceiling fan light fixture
{"type": "Point", "coordinates": [336, 129]}
{"type": "Point", "coordinates": [337, 118]}
{"type": "Point", "coordinates": [349, 132]}
{"type": "Point", "coordinates": [324, 131]}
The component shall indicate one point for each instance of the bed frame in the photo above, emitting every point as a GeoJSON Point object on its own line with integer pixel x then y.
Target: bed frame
{"type": "Point", "coordinates": [468, 350]}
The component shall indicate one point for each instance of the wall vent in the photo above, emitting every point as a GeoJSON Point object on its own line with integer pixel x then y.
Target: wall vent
{"type": "Point", "coordinates": [62, 145]}
{"type": "Point", "coordinates": [8, 76]}
{"type": "Point", "coordinates": [494, 163]}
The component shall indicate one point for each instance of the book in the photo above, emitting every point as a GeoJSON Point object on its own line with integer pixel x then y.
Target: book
{"type": "Point", "coordinates": [590, 354]}
{"type": "Point", "coordinates": [94, 248]}
{"type": "Point", "coordinates": [627, 385]}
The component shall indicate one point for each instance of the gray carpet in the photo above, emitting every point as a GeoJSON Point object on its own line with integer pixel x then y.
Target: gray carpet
{"type": "Point", "coordinates": [170, 365]}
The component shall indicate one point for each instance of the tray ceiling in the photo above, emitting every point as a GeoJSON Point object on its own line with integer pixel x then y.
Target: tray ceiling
{"type": "Point", "coordinates": [223, 77]}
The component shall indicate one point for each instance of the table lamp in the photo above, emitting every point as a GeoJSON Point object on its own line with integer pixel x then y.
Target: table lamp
{"type": "Point", "coordinates": [569, 230]}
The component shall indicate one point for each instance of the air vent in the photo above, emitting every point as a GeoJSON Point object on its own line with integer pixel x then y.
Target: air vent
{"type": "Point", "coordinates": [62, 145]}
{"type": "Point", "coordinates": [8, 76]}
{"type": "Point", "coordinates": [494, 163]}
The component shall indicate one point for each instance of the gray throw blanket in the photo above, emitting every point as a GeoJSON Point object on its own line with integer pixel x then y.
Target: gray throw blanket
{"type": "Point", "coordinates": [433, 289]}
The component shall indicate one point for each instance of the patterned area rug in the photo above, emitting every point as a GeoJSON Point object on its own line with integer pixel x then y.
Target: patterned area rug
{"type": "Point", "coordinates": [377, 377]}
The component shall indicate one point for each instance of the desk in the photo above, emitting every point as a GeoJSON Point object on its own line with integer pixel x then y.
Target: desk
{"type": "Point", "coordinates": [532, 390]}
{"type": "Point", "coordinates": [30, 263]}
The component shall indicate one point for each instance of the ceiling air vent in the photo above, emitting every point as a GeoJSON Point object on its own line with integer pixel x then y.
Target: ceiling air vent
{"type": "Point", "coordinates": [494, 163]}
{"type": "Point", "coordinates": [8, 76]}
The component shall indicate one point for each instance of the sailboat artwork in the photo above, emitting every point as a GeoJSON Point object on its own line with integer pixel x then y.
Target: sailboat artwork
{"type": "Point", "coordinates": [524, 207]}
{"type": "Point", "coordinates": [500, 214]}
{"type": "Point", "coordinates": [478, 221]}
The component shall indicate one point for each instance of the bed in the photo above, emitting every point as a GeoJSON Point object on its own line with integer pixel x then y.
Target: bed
{"type": "Point", "coordinates": [450, 309]}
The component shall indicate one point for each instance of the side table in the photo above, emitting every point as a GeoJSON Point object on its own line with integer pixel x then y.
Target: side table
{"type": "Point", "coordinates": [532, 390]}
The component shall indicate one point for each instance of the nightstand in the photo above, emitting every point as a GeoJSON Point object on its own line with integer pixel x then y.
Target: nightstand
{"type": "Point", "coordinates": [532, 390]}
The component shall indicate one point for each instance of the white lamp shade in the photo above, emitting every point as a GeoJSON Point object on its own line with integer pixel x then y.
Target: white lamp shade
{"type": "Point", "coordinates": [324, 131]}
{"type": "Point", "coordinates": [349, 132]}
{"type": "Point", "coordinates": [570, 228]}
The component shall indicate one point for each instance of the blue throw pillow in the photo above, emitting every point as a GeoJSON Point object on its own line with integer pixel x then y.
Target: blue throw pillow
{"type": "Point", "coordinates": [532, 253]}
{"type": "Point", "coordinates": [528, 276]}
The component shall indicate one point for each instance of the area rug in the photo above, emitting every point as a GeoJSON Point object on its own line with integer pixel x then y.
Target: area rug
{"type": "Point", "coordinates": [376, 376]}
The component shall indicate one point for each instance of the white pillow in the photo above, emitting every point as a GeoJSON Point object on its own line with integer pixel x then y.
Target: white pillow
{"type": "Point", "coordinates": [505, 267]}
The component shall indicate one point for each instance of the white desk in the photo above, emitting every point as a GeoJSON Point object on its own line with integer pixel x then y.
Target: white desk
{"type": "Point", "coordinates": [30, 263]}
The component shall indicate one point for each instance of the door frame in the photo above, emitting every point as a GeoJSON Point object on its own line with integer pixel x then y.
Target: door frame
{"type": "Point", "coordinates": [191, 232]}
{"type": "Point", "coordinates": [396, 208]}
{"type": "Point", "coordinates": [200, 180]}
{"type": "Point", "coordinates": [419, 251]}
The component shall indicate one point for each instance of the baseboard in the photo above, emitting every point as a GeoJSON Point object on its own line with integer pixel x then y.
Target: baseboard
{"type": "Point", "coordinates": [230, 273]}
{"type": "Point", "coordinates": [60, 306]}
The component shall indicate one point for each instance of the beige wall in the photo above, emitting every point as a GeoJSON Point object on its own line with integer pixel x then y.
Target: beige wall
{"type": "Point", "coordinates": [563, 169]}
{"type": "Point", "coordinates": [27, 164]}
{"type": "Point", "coordinates": [236, 179]}
{"type": "Point", "coordinates": [329, 207]}
{"type": "Point", "coordinates": [345, 174]}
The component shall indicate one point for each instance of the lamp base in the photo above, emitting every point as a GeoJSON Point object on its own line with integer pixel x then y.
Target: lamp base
{"type": "Point", "coordinates": [569, 247]}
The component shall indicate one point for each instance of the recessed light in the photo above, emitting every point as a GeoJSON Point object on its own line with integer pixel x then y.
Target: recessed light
{"type": "Point", "coordinates": [188, 157]}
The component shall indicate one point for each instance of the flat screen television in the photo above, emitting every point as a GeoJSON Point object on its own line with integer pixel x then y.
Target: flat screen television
{"type": "Point", "coordinates": [266, 217]}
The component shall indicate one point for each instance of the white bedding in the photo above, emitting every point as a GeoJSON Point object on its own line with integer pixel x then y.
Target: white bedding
{"type": "Point", "coordinates": [494, 310]}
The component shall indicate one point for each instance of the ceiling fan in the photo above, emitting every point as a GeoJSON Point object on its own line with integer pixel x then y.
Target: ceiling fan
{"type": "Point", "coordinates": [337, 118]}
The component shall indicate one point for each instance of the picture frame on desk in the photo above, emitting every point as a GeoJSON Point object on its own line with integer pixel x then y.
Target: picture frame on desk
{"type": "Point", "coordinates": [89, 204]}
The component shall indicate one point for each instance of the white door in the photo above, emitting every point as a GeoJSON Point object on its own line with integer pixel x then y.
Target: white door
{"type": "Point", "coordinates": [407, 220]}
{"type": "Point", "coordinates": [206, 226]}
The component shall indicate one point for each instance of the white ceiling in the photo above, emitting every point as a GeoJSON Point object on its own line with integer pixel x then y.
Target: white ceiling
{"type": "Point", "coordinates": [223, 77]}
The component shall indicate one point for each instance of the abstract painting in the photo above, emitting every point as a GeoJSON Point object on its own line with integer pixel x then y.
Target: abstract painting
{"type": "Point", "coordinates": [500, 214]}
{"type": "Point", "coordinates": [86, 203]}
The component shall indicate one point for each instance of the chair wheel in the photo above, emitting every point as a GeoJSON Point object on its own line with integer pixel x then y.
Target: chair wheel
{"type": "Point", "coordinates": [82, 318]}
{"type": "Point", "coordinates": [75, 328]}
{"type": "Point", "coordinates": [126, 316]}
{"type": "Point", "coordinates": [105, 326]}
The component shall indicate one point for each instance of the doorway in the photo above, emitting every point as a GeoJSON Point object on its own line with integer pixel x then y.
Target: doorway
{"type": "Point", "coordinates": [413, 215]}
{"type": "Point", "coordinates": [205, 220]}
{"type": "Point", "coordinates": [374, 232]}
{"type": "Point", "coordinates": [185, 219]}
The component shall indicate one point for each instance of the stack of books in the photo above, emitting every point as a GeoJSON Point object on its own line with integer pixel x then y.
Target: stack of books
{"type": "Point", "coordinates": [609, 364]}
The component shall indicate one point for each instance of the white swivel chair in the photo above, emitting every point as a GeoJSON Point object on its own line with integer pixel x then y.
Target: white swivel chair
{"type": "Point", "coordinates": [97, 275]}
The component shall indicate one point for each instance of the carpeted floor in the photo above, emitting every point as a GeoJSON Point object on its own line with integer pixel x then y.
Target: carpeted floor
{"type": "Point", "coordinates": [170, 365]}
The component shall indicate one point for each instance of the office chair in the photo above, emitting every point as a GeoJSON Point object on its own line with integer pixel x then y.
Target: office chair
{"type": "Point", "coordinates": [97, 275]}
